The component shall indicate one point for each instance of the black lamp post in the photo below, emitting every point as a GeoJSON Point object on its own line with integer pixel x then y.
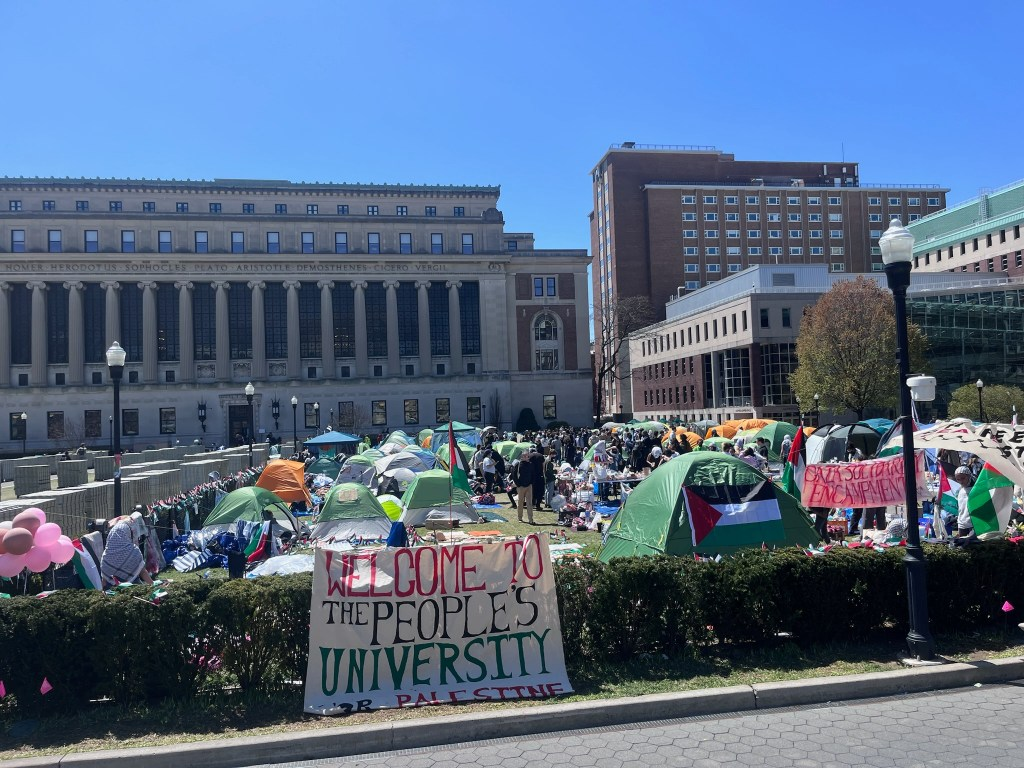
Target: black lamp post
{"type": "Point", "coordinates": [797, 398]}
{"type": "Point", "coordinates": [316, 410]}
{"type": "Point", "coordinates": [981, 410]}
{"type": "Point", "coordinates": [275, 412]}
{"type": "Point", "coordinates": [295, 424]}
{"type": "Point", "coordinates": [115, 364]}
{"type": "Point", "coordinates": [816, 398]}
{"type": "Point", "coordinates": [250, 390]}
{"type": "Point", "coordinates": [110, 420]}
{"type": "Point", "coordinates": [897, 246]}
{"type": "Point", "coordinates": [24, 431]}
{"type": "Point", "coordinates": [330, 419]}
{"type": "Point", "coordinates": [202, 414]}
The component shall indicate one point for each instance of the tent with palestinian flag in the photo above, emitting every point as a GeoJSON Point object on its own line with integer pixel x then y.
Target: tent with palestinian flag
{"type": "Point", "coordinates": [796, 462]}
{"type": "Point", "coordinates": [989, 502]}
{"type": "Point", "coordinates": [706, 503]}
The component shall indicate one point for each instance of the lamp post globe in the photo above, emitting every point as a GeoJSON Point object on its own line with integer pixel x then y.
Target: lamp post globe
{"type": "Point", "coordinates": [24, 431]}
{"type": "Point", "coordinates": [316, 410]}
{"type": "Point", "coordinates": [295, 425]}
{"type": "Point", "coordinates": [981, 410]}
{"type": "Point", "coordinates": [897, 246]}
{"type": "Point", "coordinates": [250, 390]}
{"type": "Point", "coordinates": [116, 357]}
{"type": "Point", "coordinates": [817, 397]}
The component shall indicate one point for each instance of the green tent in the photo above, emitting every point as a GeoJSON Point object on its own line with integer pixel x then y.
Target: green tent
{"type": "Point", "coordinates": [358, 469]}
{"type": "Point", "coordinates": [467, 452]}
{"type": "Point", "coordinates": [774, 434]}
{"type": "Point", "coordinates": [431, 490]}
{"type": "Point", "coordinates": [731, 504]}
{"type": "Point", "coordinates": [351, 510]}
{"type": "Point", "coordinates": [509, 449]}
{"type": "Point", "coordinates": [392, 505]}
{"type": "Point", "coordinates": [399, 438]}
{"type": "Point", "coordinates": [423, 435]}
{"type": "Point", "coordinates": [324, 466]}
{"type": "Point", "coordinates": [248, 504]}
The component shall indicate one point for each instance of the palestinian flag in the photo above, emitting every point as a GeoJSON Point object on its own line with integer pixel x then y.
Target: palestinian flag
{"type": "Point", "coordinates": [260, 545]}
{"type": "Point", "coordinates": [989, 503]}
{"type": "Point", "coordinates": [733, 515]}
{"type": "Point", "coordinates": [793, 473]}
{"type": "Point", "coordinates": [457, 463]}
{"type": "Point", "coordinates": [86, 568]}
{"type": "Point", "coordinates": [947, 496]}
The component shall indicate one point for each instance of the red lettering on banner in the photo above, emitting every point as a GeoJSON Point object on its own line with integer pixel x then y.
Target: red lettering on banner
{"type": "Point", "coordinates": [466, 570]}
{"type": "Point", "coordinates": [404, 588]}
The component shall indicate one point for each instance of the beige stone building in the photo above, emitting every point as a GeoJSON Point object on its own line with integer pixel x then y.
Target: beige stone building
{"type": "Point", "coordinates": [388, 306]}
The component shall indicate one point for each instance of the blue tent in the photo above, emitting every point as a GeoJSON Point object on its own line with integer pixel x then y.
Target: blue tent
{"type": "Point", "coordinates": [330, 442]}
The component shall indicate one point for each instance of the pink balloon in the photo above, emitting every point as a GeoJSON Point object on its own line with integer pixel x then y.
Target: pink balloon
{"type": "Point", "coordinates": [26, 520]}
{"type": "Point", "coordinates": [3, 532]}
{"type": "Point", "coordinates": [61, 552]}
{"type": "Point", "coordinates": [40, 515]}
{"type": "Point", "coordinates": [47, 534]}
{"type": "Point", "coordinates": [11, 565]}
{"type": "Point", "coordinates": [66, 539]}
{"type": "Point", "coordinates": [18, 541]}
{"type": "Point", "coordinates": [38, 559]}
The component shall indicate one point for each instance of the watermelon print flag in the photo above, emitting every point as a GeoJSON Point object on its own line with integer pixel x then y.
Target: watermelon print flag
{"type": "Point", "coordinates": [457, 463]}
{"type": "Point", "coordinates": [989, 503]}
{"type": "Point", "coordinates": [731, 515]}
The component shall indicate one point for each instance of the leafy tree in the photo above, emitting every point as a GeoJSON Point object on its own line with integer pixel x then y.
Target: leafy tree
{"type": "Point", "coordinates": [613, 324]}
{"type": "Point", "coordinates": [997, 402]}
{"type": "Point", "coordinates": [847, 349]}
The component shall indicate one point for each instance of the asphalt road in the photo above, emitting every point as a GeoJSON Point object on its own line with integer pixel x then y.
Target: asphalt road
{"type": "Point", "coordinates": [981, 726]}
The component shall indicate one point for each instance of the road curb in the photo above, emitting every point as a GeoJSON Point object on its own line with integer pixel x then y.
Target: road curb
{"type": "Point", "coordinates": [528, 721]}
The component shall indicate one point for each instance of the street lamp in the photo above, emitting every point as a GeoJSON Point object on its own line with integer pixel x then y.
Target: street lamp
{"type": "Point", "coordinates": [202, 414]}
{"type": "Point", "coordinates": [295, 425]}
{"type": "Point", "coordinates": [110, 421]}
{"type": "Point", "coordinates": [316, 410]}
{"type": "Point", "coordinates": [981, 411]}
{"type": "Point", "coordinates": [816, 398]}
{"type": "Point", "coordinates": [897, 246]}
{"type": "Point", "coordinates": [797, 398]}
{"type": "Point", "coordinates": [275, 412]}
{"type": "Point", "coordinates": [330, 420]}
{"type": "Point", "coordinates": [115, 365]}
{"type": "Point", "coordinates": [250, 390]}
{"type": "Point", "coordinates": [24, 431]}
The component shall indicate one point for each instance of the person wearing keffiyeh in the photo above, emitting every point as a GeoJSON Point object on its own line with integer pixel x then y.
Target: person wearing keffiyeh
{"type": "Point", "coordinates": [122, 561]}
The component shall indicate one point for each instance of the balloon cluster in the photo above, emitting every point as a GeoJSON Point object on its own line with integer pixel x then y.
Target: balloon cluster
{"type": "Point", "coordinates": [28, 541]}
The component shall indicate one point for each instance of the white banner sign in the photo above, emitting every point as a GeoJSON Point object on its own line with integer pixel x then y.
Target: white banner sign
{"type": "Point", "coordinates": [427, 625]}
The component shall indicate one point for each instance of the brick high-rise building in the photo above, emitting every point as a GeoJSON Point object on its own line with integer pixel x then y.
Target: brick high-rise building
{"type": "Point", "coordinates": [673, 219]}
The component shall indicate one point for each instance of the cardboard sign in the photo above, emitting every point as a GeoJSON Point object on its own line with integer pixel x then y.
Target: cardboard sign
{"type": "Point", "coordinates": [874, 483]}
{"type": "Point", "coordinates": [407, 627]}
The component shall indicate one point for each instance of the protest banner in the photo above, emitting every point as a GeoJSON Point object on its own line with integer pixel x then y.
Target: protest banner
{"type": "Point", "coordinates": [406, 627]}
{"type": "Point", "coordinates": [874, 483]}
{"type": "Point", "coordinates": [1001, 445]}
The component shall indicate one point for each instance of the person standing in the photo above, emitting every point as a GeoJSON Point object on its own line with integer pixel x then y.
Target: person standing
{"type": "Point", "coordinates": [487, 466]}
{"type": "Point", "coordinates": [550, 475]}
{"type": "Point", "coordinates": [964, 524]}
{"type": "Point", "coordinates": [537, 460]}
{"type": "Point", "coordinates": [522, 478]}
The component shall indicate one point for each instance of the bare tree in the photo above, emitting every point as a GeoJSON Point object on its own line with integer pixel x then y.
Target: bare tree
{"type": "Point", "coordinates": [613, 324]}
{"type": "Point", "coordinates": [494, 404]}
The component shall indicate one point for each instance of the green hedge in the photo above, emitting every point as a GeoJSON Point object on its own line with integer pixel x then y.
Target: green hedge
{"type": "Point", "coordinates": [207, 634]}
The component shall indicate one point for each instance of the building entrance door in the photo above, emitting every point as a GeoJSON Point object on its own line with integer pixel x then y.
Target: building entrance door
{"type": "Point", "coordinates": [238, 424]}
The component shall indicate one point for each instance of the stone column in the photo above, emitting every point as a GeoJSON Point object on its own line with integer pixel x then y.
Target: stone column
{"type": "Point", "coordinates": [359, 301]}
{"type": "Point", "coordinates": [327, 328]}
{"type": "Point", "coordinates": [394, 364]}
{"type": "Point", "coordinates": [5, 335]}
{"type": "Point", "coordinates": [76, 335]}
{"type": "Point", "coordinates": [582, 330]}
{"type": "Point", "coordinates": [186, 340]}
{"type": "Point", "coordinates": [294, 360]}
{"type": "Point", "coordinates": [259, 330]}
{"type": "Point", "coordinates": [455, 327]}
{"type": "Point", "coordinates": [223, 338]}
{"type": "Point", "coordinates": [113, 311]}
{"type": "Point", "coordinates": [423, 312]}
{"type": "Point", "coordinates": [39, 334]}
{"type": "Point", "coordinates": [150, 369]}
{"type": "Point", "coordinates": [512, 338]}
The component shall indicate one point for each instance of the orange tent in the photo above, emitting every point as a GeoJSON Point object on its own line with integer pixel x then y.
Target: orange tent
{"type": "Point", "coordinates": [754, 423]}
{"type": "Point", "coordinates": [725, 430]}
{"type": "Point", "coordinates": [287, 479]}
{"type": "Point", "coordinates": [681, 434]}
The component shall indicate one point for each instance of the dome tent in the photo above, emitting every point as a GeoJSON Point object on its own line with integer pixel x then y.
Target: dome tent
{"type": "Point", "coordinates": [358, 469]}
{"type": "Point", "coordinates": [706, 503]}
{"type": "Point", "coordinates": [433, 490]}
{"type": "Point", "coordinates": [249, 504]}
{"type": "Point", "coordinates": [349, 510]}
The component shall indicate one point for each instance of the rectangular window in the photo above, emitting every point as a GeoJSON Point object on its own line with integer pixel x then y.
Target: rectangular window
{"type": "Point", "coordinates": [538, 287]}
{"type": "Point", "coordinates": [238, 242]}
{"type": "Point", "coordinates": [512, 245]}
{"type": "Point", "coordinates": [775, 250]}
{"type": "Point", "coordinates": [754, 250]}
{"type": "Point", "coordinates": [838, 267]}
{"type": "Point", "coordinates": [793, 217]}
{"type": "Point", "coordinates": [710, 217]}
{"type": "Point", "coordinates": [81, 205]}
{"type": "Point", "coordinates": [914, 216]}
{"type": "Point", "coordinates": [814, 217]}
{"type": "Point", "coordinates": [689, 233]}
{"type": "Point", "coordinates": [372, 210]}
{"type": "Point", "coordinates": [459, 211]}
{"type": "Point", "coordinates": [115, 206]}
{"type": "Point", "coordinates": [181, 207]}
{"type": "Point", "coordinates": [875, 233]}
{"type": "Point", "coordinates": [552, 286]}
{"type": "Point", "coordinates": [773, 200]}
{"type": "Point", "coordinates": [92, 241]}
{"type": "Point", "coordinates": [55, 425]}
{"type": "Point", "coordinates": [215, 207]}
{"type": "Point", "coordinates": [55, 244]}
{"type": "Point", "coordinates": [248, 208]}
{"type": "Point", "coordinates": [202, 242]}
{"type": "Point", "coordinates": [405, 242]}
{"type": "Point", "coordinates": [774, 234]}
{"type": "Point", "coordinates": [129, 422]}
{"type": "Point", "coordinates": [373, 242]}
{"type": "Point", "coordinates": [833, 200]}
{"type": "Point", "coordinates": [149, 207]}
{"type": "Point", "coordinates": [711, 250]}
{"type": "Point", "coordinates": [689, 216]}
{"type": "Point", "coordinates": [754, 234]}
{"type": "Point", "coordinates": [280, 208]}
{"type": "Point", "coordinates": [550, 408]}
{"type": "Point", "coordinates": [835, 234]}
{"type": "Point", "coordinates": [710, 200]}
{"type": "Point", "coordinates": [312, 210]}
{"type": "Point", "coordinates": [714, 267]}
{"type": "Point", "coordinates": [164, 241]}
{"type": "Point", "coordinates": [690, 250]}
{"type": "Point", "coordinates": [732, 234]}
{"type": "Point", "coordinates": [874, 201]}
{"type": "Point", "coordinates": [753, 217]}
{"type": "Point", "coordinates": [379, 413]}
{"type": "Point", "coordinates": [733, 250]}
{"type": "Point", "coordinates": [933, 201]}
{"type": "Point", "coordinates": [894, 201]}
{"type": "Point", "coordinates": [764, 318]}
{"type": "Point", "coordinates": [835, 217]}
{"type": "Point", "coordinates": [792, 200]}
{"type": "Point", "coordinates": [735, 267]}
{"type": "Point", "coordinates": [817, 250]}
{"type": "Point", "coordinates": [411, 411]}
{"type": "Point", "coordinates": [343, 210]}
{"type": "Point", "coordinates": [14, 205]}
{"type": "Point", "coordinates": [168, 421]}
{"type": "Point", "coordinates": [711, 233]}
{"type": "Point", "coordinates": [814, 201]}
{"type": "Point", "coordinates": [774, 217]}
{"type": "Point", "coordinates": [273, 242]}
{"type": "Point", "coordinates": [341, 242]}
{"type": "Point", "coordinates": [796, 233]}
{"type": "Point", "coordinates": [307, 242]}
{"type": "Point", "coordinates": [914, 201]}
{"type": "Point", "coordinates": [731, 200]}
{"type": "Point", "coordinates": [732, 217]}
{"type": "Point", "coordinates": [837, 250]}
{"type": "Point", "coordinates": [430, 210]}
{"type": "Point", "coordinates": [401, 210]}
{"type": "Point", "coordinates": [796, 250]}
{"type": "Point", "coordinates": [436, 242]}
{"type": "Point", "coordinates": [751, 200]}
{"type": "Point", "coordinates": [691, 285]}
{"type": "Point", "coordinates": [875, 218]}
{"type": "Point", "coordinates": [467, 244]}
{"type": "Point", "coordinates": [692, 268]}
{"type": "Point", "coordinates": [127, 241]}
{"type": "Point", "coordinates": [442, 410]}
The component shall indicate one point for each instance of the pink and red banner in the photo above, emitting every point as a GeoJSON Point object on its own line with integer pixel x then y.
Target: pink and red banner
{"type": "Point", "coordinates": [874, 483]}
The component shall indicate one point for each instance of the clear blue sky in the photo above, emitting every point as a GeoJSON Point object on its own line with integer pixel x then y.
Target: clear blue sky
{"type": "Point", "coordinates": [523, 94]}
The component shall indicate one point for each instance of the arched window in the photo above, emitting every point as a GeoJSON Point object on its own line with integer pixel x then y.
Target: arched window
{"type": "Point", "coordinates": [546, 345]}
